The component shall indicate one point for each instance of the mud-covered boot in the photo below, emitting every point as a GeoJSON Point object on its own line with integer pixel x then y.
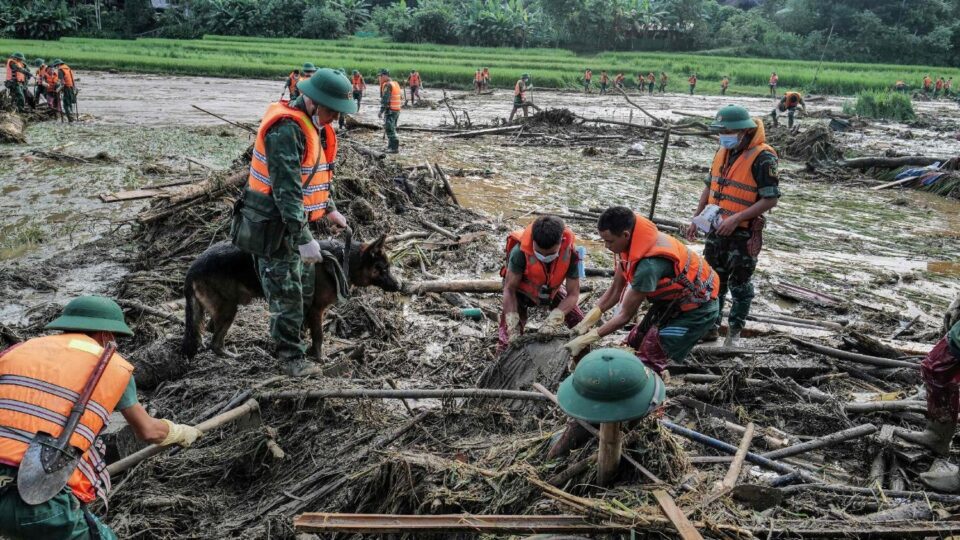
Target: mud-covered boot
{"type": "Point", "coordinates": [942, 477]}
{"type": "Point", "coordinates": [712, 335]}
{"type": "Point", "coordinates": [936, 437]}
{"type": "Point", "coordinates": [573, 437]}
{"type": "Point", "coordinates": [300, 367]}
{"type": "Point", "coordinates": [733, 338]}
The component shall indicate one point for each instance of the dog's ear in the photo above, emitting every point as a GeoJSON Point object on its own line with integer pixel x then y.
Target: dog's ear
{"type": "Point", "coordinates": [375, 247]}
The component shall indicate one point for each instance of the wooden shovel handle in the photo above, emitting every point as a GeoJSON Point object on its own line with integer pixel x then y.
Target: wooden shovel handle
{"type": "Point", "coordinates": [80, 405]}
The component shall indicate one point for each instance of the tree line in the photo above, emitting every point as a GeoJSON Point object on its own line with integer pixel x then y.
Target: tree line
{"type": "Point", "coordinates": [888, 31]}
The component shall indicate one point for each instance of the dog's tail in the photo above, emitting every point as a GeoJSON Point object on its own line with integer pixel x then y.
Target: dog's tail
{"type": "Point", "coordinates": [193, 319]}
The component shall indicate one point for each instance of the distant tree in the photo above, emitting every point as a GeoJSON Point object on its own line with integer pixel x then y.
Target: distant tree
{"type": "Point", "coordinates": [36, 20]}
{"type": "Point", "coordinates": [356, 13]}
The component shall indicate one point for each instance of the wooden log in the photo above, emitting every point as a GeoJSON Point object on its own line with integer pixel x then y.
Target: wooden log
{"type": "Point", "coordinates": [209, 187]}
{"type": "Point", "coordinates": [406, 236]}
{"type": "Point", "coordinates": [885, 406]}
{"type": "Point", "coordinates": [438, 229]}
{"type": "Point", "coordinates": [250, 407]}
{"type": "Point", "coordinates": [367, 151]}
{"type": "Point", "coordinates": [482, 132]}
{"type": "Point", "coordinates": [679, 520]}
{"type": "Point", "coordinates": [139, 306]}
{"type": "Point", "coordinates": [11, 128]}
{"type": "Point", "coordinates": [855, 357]}
{"type": "Point", "coordinates": [130, 195]}
{"type": "Point", "coordinates": [889, 494]}
{"type": "Point", "coordinates": [890, 163]}
{"type": "Point", "coordinates": [733, 473]}
{"type": "Point", "coordinates": [608, 456]}
{"type": "Point", "coordinates": [408, 393]}
{"type": "Point", "coordinates": [656, 120]}
{"type": "Point", "coordinates": [656, 183]}
{"type": "Point", "coordinates": [446, 184]}
{"type": "Point", "coordinates": [822, 442]}
{"type": "Point", "coordinates": [248, 129]}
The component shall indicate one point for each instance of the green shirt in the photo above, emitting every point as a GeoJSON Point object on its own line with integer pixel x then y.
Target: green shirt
{"type": "Point", "coordinates": [765, 173]}
{"type": "Point", "coordinates": [129, 397]}
{"type": "Point", "coordinates": [649, 271]}
{"type": "Point", "coordinates": [285, 144]}
{"type": "Point", "coordinates": [517, 263]}
{"type": "Point", "coordinates": [953, 339]}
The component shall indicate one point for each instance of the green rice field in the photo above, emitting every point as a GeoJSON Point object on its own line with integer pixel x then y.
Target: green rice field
{"type": "Point", "coordinates": [226, 56]}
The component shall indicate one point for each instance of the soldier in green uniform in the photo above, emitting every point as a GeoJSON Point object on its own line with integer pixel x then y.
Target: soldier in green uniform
{"type": "Point", "coordinates": [284, 193]}
{"type": "Point", "coordinates": [391, 100]}
{"type": "Point", "coordinates": [16, 79]}
{"type": "Point", "coordinates": [744, 185]}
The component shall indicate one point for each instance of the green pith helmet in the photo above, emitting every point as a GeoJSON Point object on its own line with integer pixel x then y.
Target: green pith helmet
{"type": "Point", "coordinates": [56, 62]}
{"type": "Point", "coordinates": [19, 56]}
{"type": "Point", "coordinates": [384, 71]}
{"type": "Point", "coordinates": [732, 117]}
{"type": "Point", "coordinates": [610, 385]}
{"type": "Point", "coordinates": [525, 76]}
{"type": "Point", "coordinates": [356, 72]}
{"type": "Point", "coordinates": [37, 62]}
{"type": "Point", "coordinates": [91, 314]}
{"type": "Point", "coordinates": [329, 88]}
{"type": "Point", "coordinates": [309, 68]}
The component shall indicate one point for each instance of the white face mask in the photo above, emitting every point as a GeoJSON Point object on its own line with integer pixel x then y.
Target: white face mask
{"type": "Point", "coordinates": [546, 258]}
{"type": "Point", "coordinates": [729, 141]}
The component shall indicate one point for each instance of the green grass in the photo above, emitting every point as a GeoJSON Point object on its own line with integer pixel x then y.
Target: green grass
{"type": "Point", "coordinates": [882, 105]}
{"type": "Point", "coordinates": [224, 56]}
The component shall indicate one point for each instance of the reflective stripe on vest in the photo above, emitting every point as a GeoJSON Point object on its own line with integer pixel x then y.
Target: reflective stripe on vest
{"type": "Point", "coordinates": [316, 185]}
{"type": "Point", "coordinates": [40, 381]}
{"type": "Point", "coordinates": [292, 81]}
{"type": "Point", "coordinates": [67, 75]}
{"type": "Point", "coordinates": [536, 274]}
{"type": "Point", "coordinates": [395, 95]}
{"type": "Point", "coordinates": [733, 188]}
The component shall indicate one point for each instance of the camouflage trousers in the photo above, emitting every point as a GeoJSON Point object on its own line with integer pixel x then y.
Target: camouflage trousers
{"type": "Point", "coordinates": [390, 119]}
{"type": "Point", "coordinates": [734, 259]}
{"type": "Point", "coordinates": [17, 93]}
{"type": "Point", "coordinates": [288, 286]}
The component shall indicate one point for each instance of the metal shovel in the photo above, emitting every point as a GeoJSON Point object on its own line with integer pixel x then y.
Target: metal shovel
{"type": "Point", "coordinates": [49, 462]}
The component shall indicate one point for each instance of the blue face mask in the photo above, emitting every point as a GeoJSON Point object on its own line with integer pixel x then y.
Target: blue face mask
{"type": "Point", "coordinates": [546, 258]}
{"type": "Point", "coordinates": [729, 141]}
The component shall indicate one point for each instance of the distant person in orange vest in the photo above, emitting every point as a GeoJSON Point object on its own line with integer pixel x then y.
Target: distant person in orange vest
{"type": "Point", "coordinates": [587, 76]}
{"type": "Point", "coordinates": [618, 81]}
{"type": "Point", "coordinates": [33, 99]}
{"type": "Point", "coordinates": [927, 84]}
{"type": "Point", "coordinates": [486, 79]}
{"type": "Point", "coordinates": [39, 381]}
{"type": "Point", "coordinates": [542, 269]}
{"type": "Point", "coordinates": [68, 89]}
{"type": "Point", "coordinates": [679, 285]}
{"type": "Point", "coordinates": [478, 81]}
{"type": "Point", "coordinates": [520, 98]}
{"type": "Point", "coordinates": [948, 87]}
{"type": "Point", "coordinates": [16, 79]}
{"type": "Point", "coordinates": [692, 81]}
{"type": "Point", "coordinates": [938, 87]}
{"type": "Point", "coordinates": [359, 87]}
{"type": "Point", "coordinates": [295, 77]}
{"type": "Point", "coordinates": [724, 84]}
{"type": "Point", "coordinates": [391, 98]}
{"type": "Point", "coordinates": [788, 104]}
{"type": "Point", "coordinates": [663, 82]}
{"type": "Point", "coordinates": [774, 80]}
{"type": "Point", "coordinates": [651, 80]}
{"type": "Point", "coordinates": [53, 89]}
{"type": "Point", "coordinates": [414, 82]}
{"type": "Point", "coordinates": [742, 186]}
{"type": "Point", "coordinates": [604, 81]}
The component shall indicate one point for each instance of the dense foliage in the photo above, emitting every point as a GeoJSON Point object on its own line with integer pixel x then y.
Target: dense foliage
{"type": "Point", "coordinates": [882, 105]}
{"type": "Point", "coordinates": [897, 31]}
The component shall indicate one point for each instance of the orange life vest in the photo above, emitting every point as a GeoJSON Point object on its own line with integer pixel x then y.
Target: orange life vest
{"type": "Point", "coordinates": [17, 75]}
{"type": "Point", "coordinates": [618, 79]}
{"type": "Point", "coordinates": [927, 81]}
{"type": "Point", "coordinates": [694, 284]}
{"type": "Point", "coordinates": [39, 382]}
{"type": "Point", "coordinates": [733, 188]}
{"type": "Point", "coordinates": [395, 94]}
{"type": "Point", "coordinates": [587, 75]}
{"type": "Point", "coordinates": [604, 78]}
{"type": "Point", "coordinates": [939, 84]}
{"type": "Point", "coordinates": [358, 83]}
{"type": "Point", "coordinates": [414, 80]}
{"type": "Point", "coordinates": [774, 79]}
{"type": "Point", "coordinates": [692, 80]}
{"type": "Point", "coordinates": [536, 273]}
{"type": "Point", "coordinates": [67, 75]}
{"type": "Point", "coordinates": [50, 79]}
{"type": "Point", "coordinates": [651, 78]}
{"type": "Point", "coordinates": [725, 82]}
{"type": "Point", "coordinates": [477, 77]}
{"type": "Point", "coordinates": [792, 99]}
{"type": "Point", "coordinates": [40, 73]}
{"type": "Point", "coordinates": [292, 81]}
{"type": "Point", "coordinates": [486, 74]}
{"type": "Point", "coordinates": [316, 185]}
{"type": "Point", "coordinates": [519, 89]}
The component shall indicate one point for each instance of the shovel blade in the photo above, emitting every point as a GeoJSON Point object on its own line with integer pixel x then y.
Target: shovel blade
{"type": "Point", "coordinates": [45, 469]}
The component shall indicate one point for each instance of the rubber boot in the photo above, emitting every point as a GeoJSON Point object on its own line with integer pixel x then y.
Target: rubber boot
{"type": "Point", "coordinates": [712, 335]}
{"type": "Point", "coordinates": [942, 477]}
{"type": "Point", "coordinates": [733, 337]}
{"type": "Point", "coordinates": [301, 368]}
{"type": "Point", "coordinates": [936, 437]}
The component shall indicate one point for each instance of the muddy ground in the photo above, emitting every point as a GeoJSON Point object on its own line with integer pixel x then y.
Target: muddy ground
{"type": "Point", "coordinates": [888, 256]}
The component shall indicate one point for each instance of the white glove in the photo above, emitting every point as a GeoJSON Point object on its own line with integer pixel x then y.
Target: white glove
{"type": "Point", "coordinates": [513, 326]}
{"type": "Point", "coordinates": [181, 434]}
{"type": "Point", "coordinates": [554, 322]}
{"type": "Point", "coordinates": [588, 321]}
{"type": "Point", "coordinates": [578, 344]}
{"type": "Point", "coordinates": [310, 253]}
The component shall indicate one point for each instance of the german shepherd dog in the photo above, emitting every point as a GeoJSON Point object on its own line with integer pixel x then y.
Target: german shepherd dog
{"type": "Point", "coordinates": [223, 278]}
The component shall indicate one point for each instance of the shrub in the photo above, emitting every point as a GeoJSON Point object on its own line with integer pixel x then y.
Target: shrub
{"type": "Point", "coordinates": [882, 105]}
{"type": "Point", "coordinates": [323, 22]}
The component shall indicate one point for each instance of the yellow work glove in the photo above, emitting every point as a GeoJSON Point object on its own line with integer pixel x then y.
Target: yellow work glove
{"type": "Point", "coordinates": [513, 326]}
{"type": "Point", "coordinates": [578, 344]}
{"type": "Point", "coordinates": [181, 434]}
{"type": "Point", "coordinates": [588, 321]}
{"type": "Point", "coordinates": [554, 322]}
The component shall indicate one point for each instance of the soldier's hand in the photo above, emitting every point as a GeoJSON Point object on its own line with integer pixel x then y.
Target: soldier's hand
{"type": "Point", "coordinates": [337, 221]}
{"type": "Point", "coordinates": [728, 225]}
{"type": "Point", "coordinates": [310, 252]}
{"type": "Point", "coordinates": [691, 231]}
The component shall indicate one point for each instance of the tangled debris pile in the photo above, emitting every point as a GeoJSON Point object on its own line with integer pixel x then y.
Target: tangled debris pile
{"type": "Point", "coordinates": [814, 143]}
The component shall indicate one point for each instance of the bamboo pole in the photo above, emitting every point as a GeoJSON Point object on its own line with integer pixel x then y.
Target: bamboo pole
{"type": "Point", "coordinates": [733, 473]}
{"type": "Point", "coordinates": [608, 456]}
{"type": "Point", "coordinates": [656, 184]}
{"type": "Point", "coordinates": [409, 393]}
